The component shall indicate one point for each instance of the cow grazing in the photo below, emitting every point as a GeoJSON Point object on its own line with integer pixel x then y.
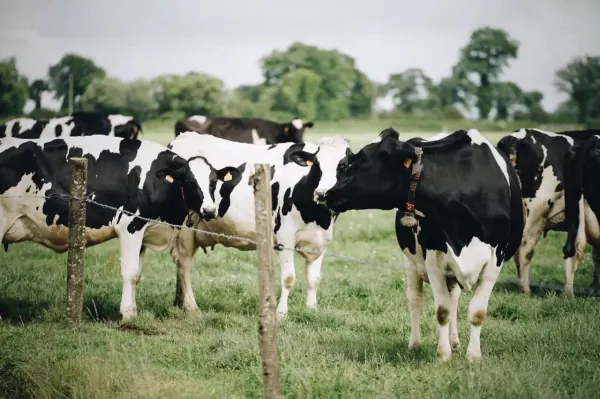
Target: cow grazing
{"type": "Point", "coordinates": [245, 130]}
{"type": "Point", "coordinates": [77, 124]}
{"type": "Point", "coordinates": [582, 206]}
{"type": "Point", "coordinates": [139, 177]}
{"type": "Point", "coordinates": [297, 171]}
{"type": "Point", "coordinates": [538, 157]}
{"type": "Point", "coordinates": [460, 218]}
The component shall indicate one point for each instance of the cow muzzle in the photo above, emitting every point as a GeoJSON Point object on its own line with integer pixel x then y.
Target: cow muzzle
{"type": "Point", "coordinates": [320, 196]}
{"type": "Point", "coordinates": [208, 212]}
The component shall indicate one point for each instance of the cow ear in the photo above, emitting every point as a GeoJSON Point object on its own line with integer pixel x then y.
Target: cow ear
{"type": "Point", "coordinates": [229, 173]}
{"type": "Point", "coordinates": [349, 152]}
{"type": "Point", "coordinates": [308, 125]}
{"type": "Point", "coordinates": [175, 170]}
{"type": "Point", "coordinates": [398, 151]}
{"type": "Point", "coordinates": [303, 158]}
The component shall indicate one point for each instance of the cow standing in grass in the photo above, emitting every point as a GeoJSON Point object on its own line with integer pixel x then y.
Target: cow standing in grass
{"type": "Point", "coordinates": [461, 217]}
{"type": "Point", "coordinates": [298, 171]}
{"type": "Point", "coordinates": [77, 124]}
{"type": "Point", "coordinates": [538, 157]}
{"type": "Point", "coordinates": [582, 204]}
{"type": "Point", "coordinates": [141, 178]}
{"type": "Point", "coordinates": [245, 130]}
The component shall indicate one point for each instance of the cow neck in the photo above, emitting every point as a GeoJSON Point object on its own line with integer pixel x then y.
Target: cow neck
{"type": "Point", "coordinates": [189, 221]}
{"type": "Point", "coordinates": [410, 214]}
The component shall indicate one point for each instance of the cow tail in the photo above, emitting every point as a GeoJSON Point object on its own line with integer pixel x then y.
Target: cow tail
{"type": "Point", "coordinates": [573, 172]}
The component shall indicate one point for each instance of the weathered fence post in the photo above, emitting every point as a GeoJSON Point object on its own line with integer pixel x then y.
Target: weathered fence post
{"type": "Point", "coordinates": [267, 323]}
{"type": "Point", "coordinates": [75, 259]}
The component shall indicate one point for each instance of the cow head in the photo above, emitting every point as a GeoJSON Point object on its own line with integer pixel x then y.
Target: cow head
{"type": "Point", "coordinates": [508, 146]}
{"type": "Point", "coordinates": [331, 152]}
{"type": "Point", "coordinates": [126, 127]}
{"type": "Point", "coordinates": [197, 179]}
{"type": "Point", "coordinates": [377, 177]}
{"type": "Point", "coordinates": [293, 131]}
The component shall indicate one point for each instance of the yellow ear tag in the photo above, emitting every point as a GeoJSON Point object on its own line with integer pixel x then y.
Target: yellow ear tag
{"type": "Point", "coordinates": [169, 178]}
{"type": "Point", "coordinates": [407, 162]}
{"type": "Point", "coordinates": [285, 129]}
{"type": "Point", "coordinates": [227, 177]}
{"type": "Point", "coordinates": [309, 163]}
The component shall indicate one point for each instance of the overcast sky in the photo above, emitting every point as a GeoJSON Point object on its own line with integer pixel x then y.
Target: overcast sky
{"type": "Point", "coordinates": [146, 38]}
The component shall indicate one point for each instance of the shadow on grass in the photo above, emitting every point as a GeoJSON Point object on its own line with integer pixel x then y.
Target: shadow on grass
{"type": "Point", "coordinates": [364, 350]}
{"type": "Point", "coordinates": [543, 289]}
{"type": "Point", "coordinates": [18, 311]}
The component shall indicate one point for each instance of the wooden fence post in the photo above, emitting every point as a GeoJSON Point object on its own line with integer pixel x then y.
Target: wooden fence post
{"type": "Point", "coordinates": [267, 323]}
{"type": "Point", "coordinates": [75, 259]}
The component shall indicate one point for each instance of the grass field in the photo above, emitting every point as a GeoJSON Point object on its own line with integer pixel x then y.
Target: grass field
{"type": "Point", "coordinates": [353, 345]}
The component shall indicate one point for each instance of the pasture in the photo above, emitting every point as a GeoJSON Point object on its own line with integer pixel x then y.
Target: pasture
{"type": "Point", "coordinates": [353, 345]}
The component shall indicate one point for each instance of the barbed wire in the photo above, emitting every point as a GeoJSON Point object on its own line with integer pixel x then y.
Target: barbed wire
{"type": "Point", "coordinates": [280, 247]}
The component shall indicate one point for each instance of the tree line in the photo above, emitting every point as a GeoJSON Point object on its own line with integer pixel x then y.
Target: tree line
{"type": "Point", "coordinates": [319, 84]}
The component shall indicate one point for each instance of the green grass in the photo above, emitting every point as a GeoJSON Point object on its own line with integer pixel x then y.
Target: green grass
{"type": "Point", "coordinates": [353, 345]}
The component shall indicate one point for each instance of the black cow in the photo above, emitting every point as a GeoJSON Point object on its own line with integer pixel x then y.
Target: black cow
{"type": "Point", "coordinates": [245, 130]}
{"type": "Point", "coordinates": [138, 177]}
{"type": "Point", "coordinates": [582, 205]}
{"type": "Point", "coordinates": [462, 217]}
{"type": "Point", "coordinates": [538, 156]}
{"type": "Point", "coordinates": [77, 124]}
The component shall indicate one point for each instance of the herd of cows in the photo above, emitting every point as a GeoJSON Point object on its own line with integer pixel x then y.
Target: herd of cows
{"type": "Point", "coordinates": [463, 206]}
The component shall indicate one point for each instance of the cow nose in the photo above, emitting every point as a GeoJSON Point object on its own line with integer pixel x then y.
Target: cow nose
{"type": "Point", "coordinates": [208, 212]}
{"type": "Point", "coordinates": [320, 196]}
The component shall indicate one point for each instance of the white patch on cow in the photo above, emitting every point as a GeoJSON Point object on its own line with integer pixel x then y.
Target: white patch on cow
{"type": "Point", "coordinates": [437, 137]}
{"type": "Point", "coordinates": [24, 125]}
{"type": "Point", "coordinates": [198, 118]}
{"type": "Point", "coordinates": [477, 138]}
{"type": "Point", "coordinates": [334, 141]}
{"type": "Point", "coordinates": [298, 124]}
{"type": "Point", "coordinates": [94, 145]}
{"type": "Point", "coordinates": [310, 147]}
{"type": "Point", "coordinates": [332, 150]}
{"type": "Point", "coordinates": [146, 154]}
{"type": "Point", "coordinates": [521, 134]}
{"type": "Point", "coordinates": [118, 119]}
{"type": "Point", "coordinates": [49, 131]}
{"type": "Point", "coordinates": [377, 140]}
{"type": "Point", "coordinates": [256, 139]}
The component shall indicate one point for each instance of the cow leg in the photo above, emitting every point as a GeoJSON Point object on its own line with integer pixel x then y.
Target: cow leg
{"type": "Point", "coordinates": [288, 277]}
{"type": "Point", "coordinates": [131, 270]}
{"type": "Point", "coordinates": [478, 307]}
{"type": "Point", "coordinates": [534, 227]}
{"type": "Point", "coordinates": [571, 264]}
{"type": "Point", "coordinates": [183, 255]}
{"type": "Point", "coordinates": [454, 339]}
{"type": "Point", "coordinates": [313, 277]}
{"type": "Point", "coordinates": [414, 296]}
{"type": "Point", "coordinates": [596, 260]}
{"type": "Point", "coordinates": [443, 304]}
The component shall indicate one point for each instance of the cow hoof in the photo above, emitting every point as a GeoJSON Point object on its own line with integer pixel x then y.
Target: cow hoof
{"type": "Point", "coordinates": [414, 345]}
{"type": "Point", "coordinates": [444, 356]}
{"type": "Point", "coordinates": [568, 292]}
{"type": "Point", "coordinates": [128, 315]}
{"type": "Point", "coordinates": [191, 308]}
{"type": "Point", "coordinates": [281, 315]}
{"type": "Point", "coordinates": [525, 291]}
{"type": "Point", "coordinates": [473, 356]}
{"type": "Point", "coordinates": [455, 346]}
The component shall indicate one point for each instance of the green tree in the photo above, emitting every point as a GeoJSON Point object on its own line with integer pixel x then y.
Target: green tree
{"type": "Point", "coordinates": [410, 90]}
{"type": "Point", "coordinates": [344, 91]}
{"type": "Point", "coordinates": [532, 101]}
{"type": "Point", "coordinates": [482, 61]}
{"type": "Point", "coordinates": [84, 71]}
{"type": "Point", "coordinates": [193, 93]}
{"type": "Point", "coordinates": [13, 89]}
{"type": "Point", "coordinates": [36, 88]}
{"type": "Point", "coordinates": [297, 93]}
{"type": "Point", "coordinates": [580, 80]}
{"type": "Point", "coordinates": [508, 96]}
{"type": "Point", "coordinates": [139, 99]}
{"type": "Point", "coordinates": [105, 94]}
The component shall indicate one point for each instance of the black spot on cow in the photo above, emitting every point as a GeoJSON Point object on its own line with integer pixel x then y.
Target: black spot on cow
{"type": "Point", "coordinates": [303, 198]}
{"type": "Point", "coordinates": [287, 202]}
{"type": "Point", "coordinates": [226, 189]}
{"type": "Point", "coordinates": [2, 131]}
{"type": "Point", "coordinates": [58, 130]}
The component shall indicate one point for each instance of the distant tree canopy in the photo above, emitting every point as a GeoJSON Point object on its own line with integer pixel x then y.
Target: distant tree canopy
{"type": "Point", "coordinates": [323, 84]}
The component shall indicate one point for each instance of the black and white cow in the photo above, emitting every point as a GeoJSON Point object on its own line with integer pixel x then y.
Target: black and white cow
{"type": "Point", "coordinates": [538, 157]}
{"type": "Point", "coordinates": [139, 177]}
{"type": "Point", "coordinates": [298, 171]}
{"type": "Point", "coordinates": [582, 205]}
{"type": "Point", "coordinates": [461, 217]}
{"type": "Point", "coordinates": [245, 130]}
{"type": "Point", "coordinates": [77, 124]}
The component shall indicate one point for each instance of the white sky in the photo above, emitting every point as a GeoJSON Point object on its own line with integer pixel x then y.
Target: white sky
{"type": "Point", "coordinates": [226, 38]}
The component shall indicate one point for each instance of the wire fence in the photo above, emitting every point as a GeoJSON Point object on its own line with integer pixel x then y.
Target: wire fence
{"type": "Point", "coordinates": [540, 286]}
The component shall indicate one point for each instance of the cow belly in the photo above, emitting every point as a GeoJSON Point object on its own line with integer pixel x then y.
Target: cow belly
{"type": "Point", "coordinates": [592, 227]}
{"type": "Point", "coordinates": [55, 237]}
{"type": "Point", "coordinates": [313, 239]}
{"type": "Point", "coordinates": [159, 238]}
{"type": "Point", "coordinates": [236, 228]}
